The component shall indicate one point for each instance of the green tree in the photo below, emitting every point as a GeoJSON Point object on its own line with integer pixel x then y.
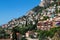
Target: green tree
{"type": "Point", "coordinates": [45, 17]}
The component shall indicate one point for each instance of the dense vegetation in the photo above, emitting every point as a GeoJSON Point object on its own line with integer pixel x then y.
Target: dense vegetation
{"type": "Point", "coordinates": [3, 33]}
{"type": "Point", "coordinates": [41, 34]}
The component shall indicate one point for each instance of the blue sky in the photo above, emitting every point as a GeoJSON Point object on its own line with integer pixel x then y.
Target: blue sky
{"type": "Point", "coordinates": [10, 9]}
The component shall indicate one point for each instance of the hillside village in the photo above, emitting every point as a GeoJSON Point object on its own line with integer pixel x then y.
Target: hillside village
{"type": "Point", "coordinates": [43, 17]}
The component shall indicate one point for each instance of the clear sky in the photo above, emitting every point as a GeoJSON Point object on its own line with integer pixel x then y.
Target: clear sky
{"type": "Point", "coordinates": [10, 9]}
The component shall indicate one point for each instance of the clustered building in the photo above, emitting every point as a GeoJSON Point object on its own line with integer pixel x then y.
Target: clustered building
{"type": "Point", "coordinates": [31, 17]}
{"type": "Point", "coordinates": [48, 18]}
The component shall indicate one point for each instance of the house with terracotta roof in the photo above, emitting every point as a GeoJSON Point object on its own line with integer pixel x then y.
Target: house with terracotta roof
{"type": "Point", "coordinates": [44, 25]}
